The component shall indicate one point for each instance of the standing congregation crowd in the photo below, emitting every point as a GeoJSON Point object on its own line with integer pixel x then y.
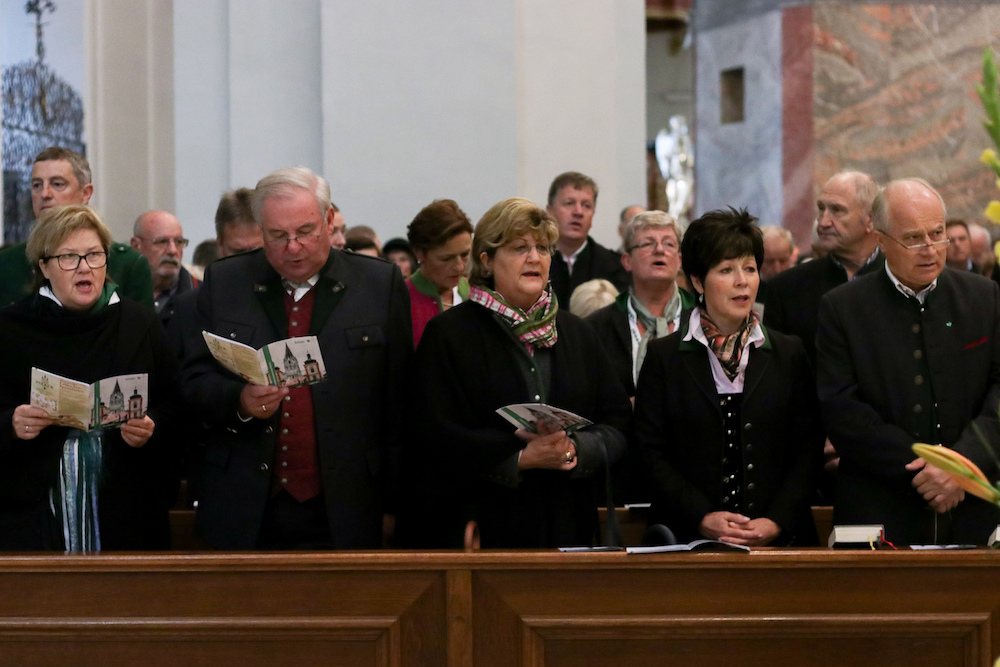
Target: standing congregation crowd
{"type": "Point", "coordinates": [729, 402]}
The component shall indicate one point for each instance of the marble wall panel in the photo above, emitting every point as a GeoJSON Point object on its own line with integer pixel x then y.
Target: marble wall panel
{"type": "Point", "coordinates": [740, 164]}
{"type": "Point", "coordinates": [894, 95]}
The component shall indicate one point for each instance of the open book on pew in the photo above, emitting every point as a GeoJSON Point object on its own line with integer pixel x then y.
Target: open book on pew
{"type": "Point", "coordinates": [697, 545]}
{"type": "Point", "coordinates": [291, 362]}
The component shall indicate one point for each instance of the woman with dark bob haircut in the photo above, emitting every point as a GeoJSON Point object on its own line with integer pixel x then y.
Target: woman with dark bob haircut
{"type": "Point", "coordinates": [510, 343]}
{"type": "Point", "coordinates": [726, 415]}
{"type": "Point", "coordinates": [440, 237]}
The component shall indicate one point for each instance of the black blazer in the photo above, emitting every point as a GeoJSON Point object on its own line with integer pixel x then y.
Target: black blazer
{"type": "Point", "coordinates": [465, 368]}
{"type": "Point", "coordinates": [793, 297]}
{"type": "Point", "coordinates": [595, 261]}
{"type": "Point", "coordinates": [679, 431]}
{"type": "Point", "coordinates": [361, 315]}
{"type": "Point", "coordinates": [884, 361]}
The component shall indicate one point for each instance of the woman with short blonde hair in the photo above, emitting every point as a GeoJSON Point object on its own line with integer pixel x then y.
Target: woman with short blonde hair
{"type": "Point", "coordinates": [69, 486]}
{"type": "Point", "coordinates": [511, 343]}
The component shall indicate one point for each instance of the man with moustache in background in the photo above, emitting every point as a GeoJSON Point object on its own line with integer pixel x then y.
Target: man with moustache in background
{"type": "Point", "coordinates": [159, 237]}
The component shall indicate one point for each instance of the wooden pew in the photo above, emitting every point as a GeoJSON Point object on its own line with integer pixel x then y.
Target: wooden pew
{"type": "Point", "coordinates": [458, 609]}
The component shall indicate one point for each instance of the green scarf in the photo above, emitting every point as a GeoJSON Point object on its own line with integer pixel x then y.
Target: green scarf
{"type": "Point", "coordinates": [106, 293]}
{"type": "Point", "coordinates": [656, 327]}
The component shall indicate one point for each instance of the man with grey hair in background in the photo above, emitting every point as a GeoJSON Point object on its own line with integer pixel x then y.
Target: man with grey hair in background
{"type": "Point", "coordinates": [981, 246]}
{"type": "Point", "coordinates": [911, 353]}
{"type": "Point", "coordinates": [844, 231]}
{"type": "Point", "coordinates": [780, 252]}
{"type": "Point", "coordinates": [304, 467]}
{"type": "Point", "coordinates": [160, 239]}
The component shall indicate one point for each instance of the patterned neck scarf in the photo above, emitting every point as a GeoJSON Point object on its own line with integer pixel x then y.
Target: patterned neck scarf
{"type": "Point", "coordinates": [535, 328]}
{"type": "Point", "coordinates": [656, 327]}
{"type": "Point", "coordinates": [727, 349]}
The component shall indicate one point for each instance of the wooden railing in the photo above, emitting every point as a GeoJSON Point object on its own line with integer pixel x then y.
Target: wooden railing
{"type": "Point", "coordinates": [458, 609]}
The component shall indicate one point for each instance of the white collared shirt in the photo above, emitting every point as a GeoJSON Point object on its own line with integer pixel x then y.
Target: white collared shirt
{"type": "Point", "coordinates": [571, 259]}
{"type": "Point", "coordinates": [47, 292]}
{"type": "Point", "coordinates": [906, 291]}
{"type": "Point", "coordinates": [723, 384]}
{"type": "Point", "coordinates": [300, 289]}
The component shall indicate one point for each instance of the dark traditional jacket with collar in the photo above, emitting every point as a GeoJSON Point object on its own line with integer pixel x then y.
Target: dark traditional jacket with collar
{"type": "Point", "coordinates": [680, 433]}
{"type": "Point", "coordinates": [793, 296]}
{"type": "Point", "coordinates": [126, 266]}
{"type": "Point", "coordinates": [611, 325]}
{"type": "Point", "coordinates": [185, 283]}
{"type": "Point", "coordinates": [361, 315]}
{"type": "Point", "coordinates": [893, 372]}
{"type": "Point", "coordinates": [468, 365]}
{"type": "Point", "coordinates": [594, 261]}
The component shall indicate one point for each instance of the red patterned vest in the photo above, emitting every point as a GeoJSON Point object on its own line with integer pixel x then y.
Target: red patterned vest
{"type": "Point", "coordinates": [296, 461]}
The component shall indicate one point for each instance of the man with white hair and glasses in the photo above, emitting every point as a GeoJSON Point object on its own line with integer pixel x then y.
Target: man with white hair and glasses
{"type": "Point", "coordinates": [911, 353]}
{"type": "Point", "coordinates": [310, 467]}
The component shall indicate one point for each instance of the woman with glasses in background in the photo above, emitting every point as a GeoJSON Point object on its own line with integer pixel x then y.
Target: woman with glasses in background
{"type": "Point", "coordinates": [511, 342]}
{"type": "Point", "coordinates": [63, 488]}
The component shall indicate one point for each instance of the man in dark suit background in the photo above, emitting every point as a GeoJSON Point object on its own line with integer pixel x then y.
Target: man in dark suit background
{"type": "Point", "coordinates": [306, 467]}
{"type": "Point", "coordinates": [579, 258]}
{"type": "Point", "coordinates": [844, 231]}
{"type": "Point", "coordinates": [911, 353]}
{"type": "Point", "coordinates": [60, 177]}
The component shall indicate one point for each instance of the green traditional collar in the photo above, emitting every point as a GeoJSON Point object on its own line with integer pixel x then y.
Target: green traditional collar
{"type": "Point", "coordinates": [428, 288]}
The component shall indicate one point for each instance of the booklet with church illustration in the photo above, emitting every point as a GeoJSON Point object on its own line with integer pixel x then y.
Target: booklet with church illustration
{"type": "Point", "coordinates": [106, 403]}
{"type": "Point", "coordinates": [286, 363]}
{"type": "Point", "coordinates": [528, 415]}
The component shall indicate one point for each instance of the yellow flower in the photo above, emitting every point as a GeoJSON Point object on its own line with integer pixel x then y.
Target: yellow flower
{"type": "Point", "coordinates": [963, 472]}
{"type": "Point", "coordinates": [993, 211]}
{"type": "Point", "coordinates": [989, 157]}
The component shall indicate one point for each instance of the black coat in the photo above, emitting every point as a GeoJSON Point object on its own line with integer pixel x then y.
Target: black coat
{"type": "Point", "coordinates": [680, 432]}
{"type": "Point", "coordinates": [466, 367]}
{"type": "Point", "coordinates": [793, 297]}
{"type": "Point", "coordinates": [595, 261]}
{"type": "Point", "coordinates": [361, 315]}
{"type": "Point", "coordinates": [139, 484]}
{"type": "Point", "coordinates": [884, 361]}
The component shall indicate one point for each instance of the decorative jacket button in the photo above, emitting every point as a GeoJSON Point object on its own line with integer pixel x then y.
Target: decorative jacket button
{"type": "Point", "coordinates": [233, 335]}
{"type": "Point", "coordinates": [918, 354]}
{"type": "Point", "coordinates": [264, 467]}
{"type": "Point", "coordinates": [747, 426]}
{"type": "Point", "coordinates": [919, 380]}
{"type": "Point", "coordinates": [916, 328]}
{"type": "Point", "coordinates": [749, 467]}
{"type": "Point", "coordinates": [269, 430]}
{"type": "Point", "coordinates": [750, 486]}
{"type": "Point", "coordinates": [917, 409]}
{"type": "Point", "coordinates": [364, 338]}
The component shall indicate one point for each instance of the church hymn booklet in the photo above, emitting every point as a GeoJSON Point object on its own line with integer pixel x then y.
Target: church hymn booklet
{"type": "Point", "coordinates": [286, 363]}
{"type": "Point", "coordinates": [106, 403]}
{"type": "Point", "coordinates": [527, 416]}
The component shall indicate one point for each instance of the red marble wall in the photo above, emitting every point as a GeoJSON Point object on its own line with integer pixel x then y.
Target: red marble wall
{"type": "Point", "coordinates": [797, 139]}
{"type": "Point", "coordinates": [894, 96]}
